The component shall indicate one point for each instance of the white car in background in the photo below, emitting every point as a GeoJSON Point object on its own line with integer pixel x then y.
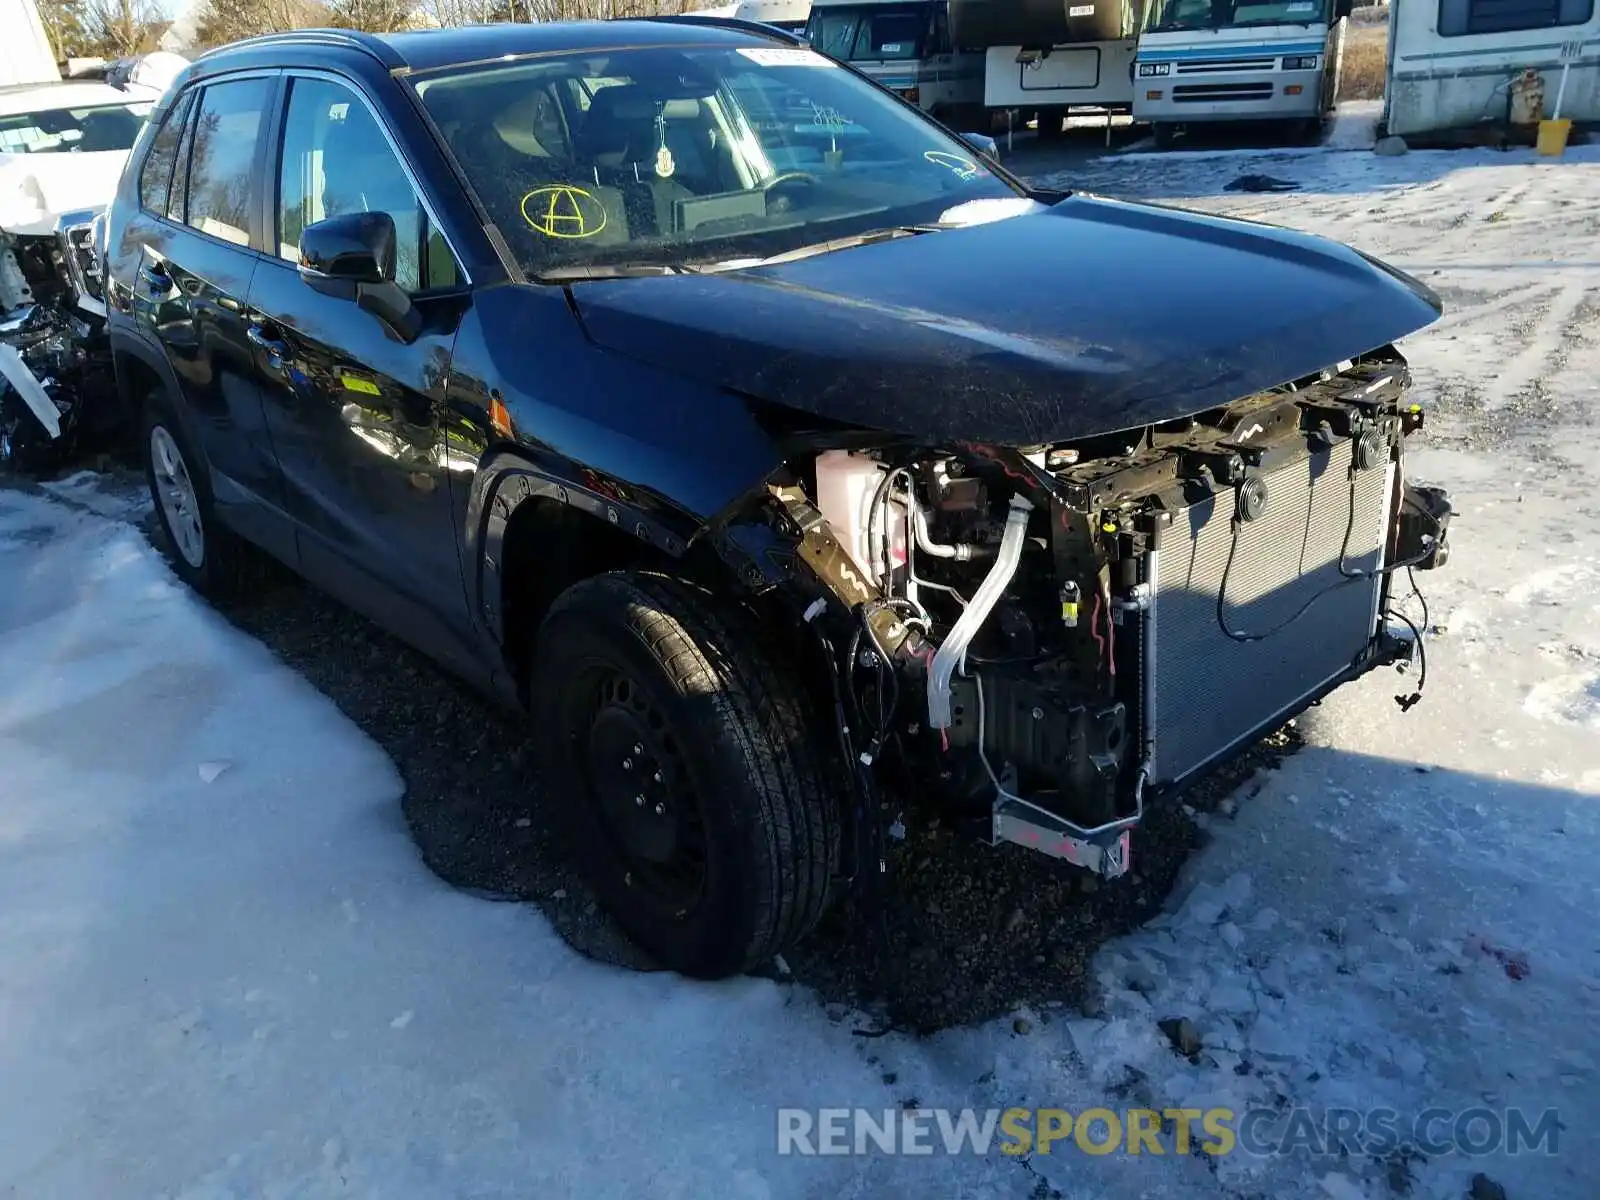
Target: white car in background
{"type": "Point", "coordinates": [62, 149]}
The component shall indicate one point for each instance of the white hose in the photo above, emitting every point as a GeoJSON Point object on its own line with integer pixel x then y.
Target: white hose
{"type": "Point", "coordinates": [976, 613]}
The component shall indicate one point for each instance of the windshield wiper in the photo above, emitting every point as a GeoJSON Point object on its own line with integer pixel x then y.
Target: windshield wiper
{"type": "Point", "coordinates": [611, 271]}
{"type": "Point", "coordinates": [640, 269]}
{"type": "Point", "coordinates": [886, 234]}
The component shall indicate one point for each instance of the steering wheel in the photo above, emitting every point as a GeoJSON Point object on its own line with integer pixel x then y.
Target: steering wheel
{"type": "Point", "coordinates": [782, 179]}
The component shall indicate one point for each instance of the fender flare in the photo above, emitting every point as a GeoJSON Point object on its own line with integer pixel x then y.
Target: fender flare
{"type": "Point", "coordinates": [508, 481]}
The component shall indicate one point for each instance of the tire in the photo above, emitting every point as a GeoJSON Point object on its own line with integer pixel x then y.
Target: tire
{"type": "Point", "coordinates": [204, 554]}
{"type": "Point", "coordinates": [1165, 133]}
{"type": "Point", "coordinates": [1051, 125]}
{"type": "Point", "coordinates": [639, 681]}
{"type": "Point", "coordinates": [1309, 131]}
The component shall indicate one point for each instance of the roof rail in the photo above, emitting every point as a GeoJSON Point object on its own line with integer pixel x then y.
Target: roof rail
{"type": "Point", "coordinates": [736, 23]}
{"type": "Point", "coordinates": [353, 39]}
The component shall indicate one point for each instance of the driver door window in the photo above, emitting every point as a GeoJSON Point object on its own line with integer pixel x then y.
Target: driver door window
{"type": "Point", "coordinates": [336, 160]}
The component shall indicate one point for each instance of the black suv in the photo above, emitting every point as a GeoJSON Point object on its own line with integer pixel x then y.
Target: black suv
{"type": "Point", "coordinates": [787, 459]}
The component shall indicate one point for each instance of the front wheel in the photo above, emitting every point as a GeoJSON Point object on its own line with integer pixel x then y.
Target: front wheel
{"type": "Point", "coordinates": [684, 764]}
{"type": "Point", "coordinates": [1308, 132]}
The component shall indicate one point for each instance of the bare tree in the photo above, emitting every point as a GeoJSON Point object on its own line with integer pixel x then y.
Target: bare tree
{"type": "Point", "coordinates": [230, 20]}
{"type": "Point", "coordinates": [117, 28]}
{"type": "Point", "coordinates": [477, 12]}
{"type": "Point", "coordinates": [63, 25]}
{"type": "Point", "coordinates": [375, 16]}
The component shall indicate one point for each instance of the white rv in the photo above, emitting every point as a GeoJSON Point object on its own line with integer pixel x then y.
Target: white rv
{"type": "Point", "coordinates": [28, 57]}
{"type": "Point", "coordinates": [1202, 61]}
{"type": "Point", "coordinates": [788, 15]}
{"type": "Point", "coordinates": [1451, 63]}
{"type": "Point", "coordinates": [1045, 58]}
{"type": "Point", "coordinates": [906, 46]}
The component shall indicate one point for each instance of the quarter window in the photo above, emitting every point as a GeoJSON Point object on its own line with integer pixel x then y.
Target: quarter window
{"type": "Point", "coordinates": [336, 160]}
{"type": "Point", "coordinates": [156, 174]}
{"type": "Point", "coordinates": [180, 172]}
{"type": "Point", "coordinates": [1460, 17]}
{"type": "Point", "coordinates": [222, 158]}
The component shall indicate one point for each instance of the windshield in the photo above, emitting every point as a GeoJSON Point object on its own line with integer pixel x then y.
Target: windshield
{"type": "Point", "coordinates": [686, 157]}
{"type": "Point", "coordinates": [1175, 15]}
{"type": "Point", "coordinates": [869, 32]}
{"type": "Point", "coordinates": [84, 130]}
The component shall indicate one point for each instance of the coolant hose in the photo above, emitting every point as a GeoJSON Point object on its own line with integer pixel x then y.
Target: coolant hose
{"type": "Point", "coordinates": [960, 551]}
{"type": "Point", "coordinates": [976, 613]}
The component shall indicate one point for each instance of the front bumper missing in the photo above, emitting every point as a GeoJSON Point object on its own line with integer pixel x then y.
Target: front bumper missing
{"type": "Point", "coordinates": [1103, 849]}
{"type": "Point", "coordinates": [1105, 852]}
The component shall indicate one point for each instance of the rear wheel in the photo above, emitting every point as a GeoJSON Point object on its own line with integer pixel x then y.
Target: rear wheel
{"type": "Point", "coordinates": [1051, 125]}
{"type": "Point", "coordinates": [683, 762]}
{"type": "Point", "coordinates": [206, 556]}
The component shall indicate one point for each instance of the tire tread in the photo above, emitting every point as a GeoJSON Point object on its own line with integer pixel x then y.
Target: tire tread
{"type": "Point", "coordinates": [709, 648]}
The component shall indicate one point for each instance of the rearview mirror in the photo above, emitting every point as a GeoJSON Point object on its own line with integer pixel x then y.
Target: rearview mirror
{"type": "Point", "coordinates": [356, 247]}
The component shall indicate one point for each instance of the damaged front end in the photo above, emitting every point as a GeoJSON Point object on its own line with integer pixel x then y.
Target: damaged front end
{"type": "Point", "coordinates": [56, 382]}
{"type": "Point", "coordinates": [1044, 638]}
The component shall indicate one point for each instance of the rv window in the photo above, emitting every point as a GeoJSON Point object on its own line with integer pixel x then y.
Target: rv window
{"type": "Point", "coordinates": [1461, 17]}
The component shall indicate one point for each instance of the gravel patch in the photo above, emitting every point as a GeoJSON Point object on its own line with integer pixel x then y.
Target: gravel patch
{"type": "Point", "coordinates": [969, 932]}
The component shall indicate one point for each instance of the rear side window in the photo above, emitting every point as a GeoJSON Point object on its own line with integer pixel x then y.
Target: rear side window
{"type": "Point", "coordinates": [157, 171]}
{"type": "Point", "coordinates": [223, 156]}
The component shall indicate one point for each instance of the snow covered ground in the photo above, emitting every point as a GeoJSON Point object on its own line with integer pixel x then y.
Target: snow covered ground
{"type": "Point", "coordinates": [225, 973]}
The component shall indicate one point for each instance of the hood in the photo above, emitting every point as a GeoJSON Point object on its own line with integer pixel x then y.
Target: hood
{"type": "Point", "coordinates": [35, 189]}
{"type": "Point", "coordinates": [1087, 317]}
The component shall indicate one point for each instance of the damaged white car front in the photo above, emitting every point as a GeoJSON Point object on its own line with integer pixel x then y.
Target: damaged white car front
{"type": "Point", "coordinates": [62, 150]}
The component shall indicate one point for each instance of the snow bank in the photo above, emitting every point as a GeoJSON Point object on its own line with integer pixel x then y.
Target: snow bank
{"type": "Point", "coordinates": [224, 971]}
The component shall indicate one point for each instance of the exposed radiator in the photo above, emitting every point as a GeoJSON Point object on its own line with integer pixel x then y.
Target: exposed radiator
{"type": "Point", "coordinates": [1206, 691]}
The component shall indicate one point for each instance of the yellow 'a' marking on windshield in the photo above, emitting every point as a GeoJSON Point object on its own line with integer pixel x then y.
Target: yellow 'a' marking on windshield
{"type": "Point", "coordinates": [567, 211]}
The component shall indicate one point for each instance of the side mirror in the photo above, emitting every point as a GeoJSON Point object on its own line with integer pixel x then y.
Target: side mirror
{"type": "Point", "coordinates": [983, 145]}
{"type": "Point", "coordinates": [356, 247]}
{"type": "Point", "coordinates": [352, 257]}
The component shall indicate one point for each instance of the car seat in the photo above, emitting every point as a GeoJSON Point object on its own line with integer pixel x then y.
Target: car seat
{"type": "Point", "coordinates": [619, 139]}
{"type": "Point", "coordinates": [108, 129]}
{"type": "Point", "coordinates": [522, 149]}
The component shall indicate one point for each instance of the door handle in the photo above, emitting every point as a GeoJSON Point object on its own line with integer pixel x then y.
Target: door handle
{"type": "Point", "coordinates": [271, 347]}
{"type": "Point", "coordinates": [156, 279]}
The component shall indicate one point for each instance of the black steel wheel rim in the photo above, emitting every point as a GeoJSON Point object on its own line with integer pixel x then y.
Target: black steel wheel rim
{"type": "Point", "coordinates": [638, 781]}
